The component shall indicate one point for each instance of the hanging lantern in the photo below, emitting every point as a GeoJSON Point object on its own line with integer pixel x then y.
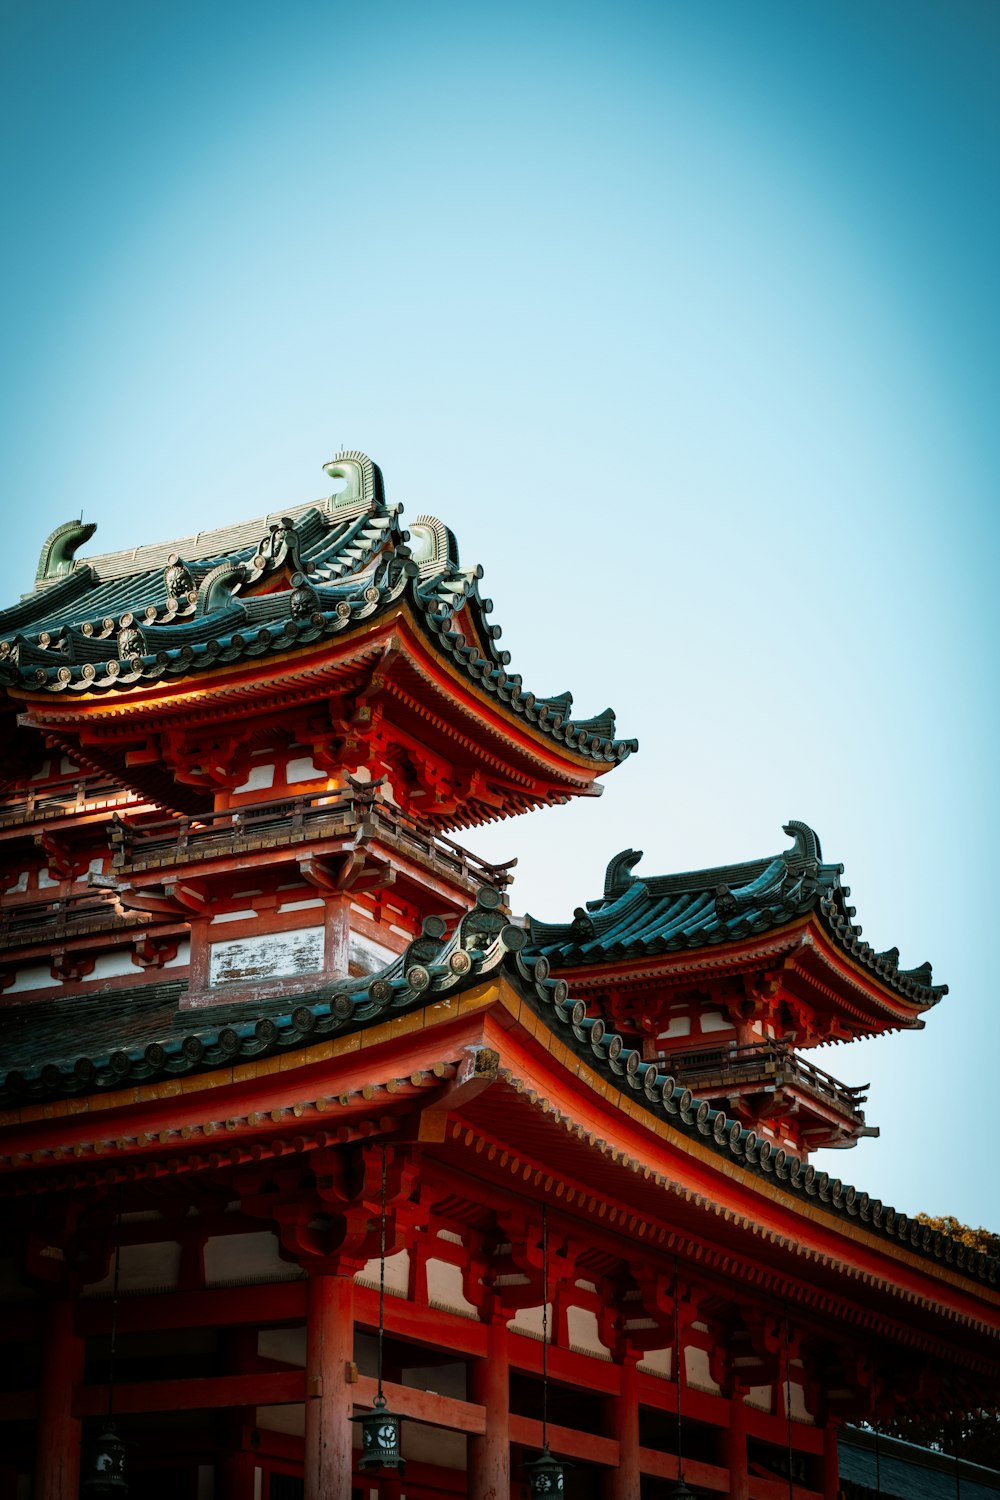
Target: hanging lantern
{"type": "Point", "coordinates": [680, 1491]}
{"type": "Point", "coordinates": [107, 1465]}
{"type": "Point", "coordinates": [380, 1438]}
{"type": "Point", "coordinates": [544, 1474]}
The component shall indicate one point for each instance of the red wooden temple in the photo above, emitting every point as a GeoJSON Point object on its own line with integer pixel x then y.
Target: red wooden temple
{"type": "Point", "coordinates": [292, 1106]}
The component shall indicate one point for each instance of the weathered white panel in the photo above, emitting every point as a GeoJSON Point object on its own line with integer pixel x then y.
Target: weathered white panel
{"type": "Point", "coordinates": [66, 766]}
{"type": "Point", "coordinates": [259, 778]}
{"type": "Point", "coordinates": [273, 955]}
{"type": "Point", "coordinates": [697, 1371]}
{"type": "Point", "coordinates": [397, 1274]}
{"type": "Point", "coordinates": [303, 770]}
{"type": "Point", "coordinates": [245, 1257]}
{"type": "Point", "coordinates": [244, 915]}
{"type": "Point", "coordinates": [760, 1397]}
{"type": "Point", "coordinates": [714, 1020]}
{"type": "Point", "coordinates": [183, 955]}
{"type": "Point", "coordinates": [581, 1325]}
{"type": "Point", "coordinates": [658, 1362]}
{"type": "Point", "coordinates": [368, 956]}
{"type": "Point", "coordinates": [33, 977]}
{"type": "Point", "coordinates": [444, 1288]}
{"type": "Point", "coordinates": [45, 881]}
{"type": "Point", "coordinates": [96, 864]}
{"type": "Point", "coordinates": [286, 1344]}
{"type": "Point", "coordinates": [22, 881]}
{"type": "Point", "coordinates": [42, 773]}
{"type": "Point", "coordinates": [308, 905]}
{"type": "Point", "coordinates": [112, 965]}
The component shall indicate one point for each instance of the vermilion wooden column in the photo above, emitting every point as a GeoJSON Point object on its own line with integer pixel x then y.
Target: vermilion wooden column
{"type": "Point", "coordinates": [57, 1464]}
{"type": "Point", "coordinates": [489, 1455]}
{"type": "Point", "coordinates": [329, 1407]}
{"type": "Point", "coordinates": [831, 1463]}
{"type": "Point", "coordinates": [736, 1449]}
{"type": "Point", "coordinates": [622, 1483]}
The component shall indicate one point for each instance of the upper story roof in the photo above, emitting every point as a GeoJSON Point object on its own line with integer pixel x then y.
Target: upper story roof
{"type": "Point", "coordinates": [729, 904]}
{"type": "Point", "coordinates": [152, 616]}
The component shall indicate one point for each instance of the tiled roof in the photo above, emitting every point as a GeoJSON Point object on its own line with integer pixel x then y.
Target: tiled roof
{"type": "Point", "coordinates": [905, 1472]}
{"type": "Point", "coordinates": [139, 1035]}
{"type": "Point", "coordinates": [178, 609]}
{"type": "Point", "coordinates": [639, 917]}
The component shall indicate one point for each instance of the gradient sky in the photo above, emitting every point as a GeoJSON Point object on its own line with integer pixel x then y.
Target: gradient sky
{"type": "Point", "coordinates": [685, 318]}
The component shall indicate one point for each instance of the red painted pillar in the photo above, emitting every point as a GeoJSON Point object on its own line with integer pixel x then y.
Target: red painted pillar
{"type": "Point", "coordinates": [329, 1404]}
{"type": "Point", "coordinates": [57, 1463]}
{"type": "Point", "coordinates": [622, 1483]}
{"type": "Point", "coordinates": [489, 1386]}
{"type": "Point", "coordinates": [736, 1449]}
{"type": "Point", "coordinates": [831, 1463]}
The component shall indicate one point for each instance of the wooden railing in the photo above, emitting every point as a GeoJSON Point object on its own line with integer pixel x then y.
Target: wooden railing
{"type": "Point", "coordinates": [287, 820]}
{"type": "Point", "coordinates": [61, 799]}
{"type": "Point", "coordinates": [769, 1063]}
{"type": "Point", "coordinates": [26, 922]}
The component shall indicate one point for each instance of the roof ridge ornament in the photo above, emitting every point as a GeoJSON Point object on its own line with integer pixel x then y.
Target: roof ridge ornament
{"type": "Point", "coordinates": [433, 545]}
{"type": "Point", "coordinates": [56, 558]}
{"type": "Point", "coordinates": [618, 876]}
{"type": "Point", "coordinates": [364, 488]}
{"type": "Point", "coordinates": [806, 845]}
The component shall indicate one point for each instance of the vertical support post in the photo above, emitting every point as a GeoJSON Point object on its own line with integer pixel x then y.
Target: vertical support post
{"type": "Point", "coordinates": [338, 935]}
{"type": "Point", "coordinates": [736, 1448]}
{"type": "Point", "coordinates": [489, 1455]}
{"type": "Point", "coordinates": [623, 1482]}
{"type": "Point", "coordinates": [57, 1462]}
{"type": "Point", "coordinates": [329, 1406]}
{"type": "Point", "coordinates": [831, 1463]}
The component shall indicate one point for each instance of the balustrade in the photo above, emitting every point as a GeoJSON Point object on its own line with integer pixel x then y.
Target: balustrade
{"type": "Point", "coordinates": [770, 1063]}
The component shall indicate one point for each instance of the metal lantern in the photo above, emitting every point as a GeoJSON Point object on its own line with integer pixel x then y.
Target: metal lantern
{"type": "Point", "coordinates": [544, 1474]}
{"type": "Point", "coordinates": [680, 1491]}
{"type": "Point", "coordinates": [107, 1466]}
{"type": "Point", "coordinates": [381, 1431]}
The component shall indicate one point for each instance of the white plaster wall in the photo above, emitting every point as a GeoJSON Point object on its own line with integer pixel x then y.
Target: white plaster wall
{"type": "Point", "coordinates": [235, 1257]}
{"type": "Point", "coordinates": [397, 1273]}
{"type": "Point", "coordinates": [759, 1396]}
{"type": "Point", "coordinates": [658, 1362]}
{"type": "Point", "coordinates": [112, 965]}
{"type": "Point", "coordinates": [444, 1288]}
{"type": "Point", "coordinates": [529, 1321]}
{"type": "Point", "coordinates": [34, 977]}
{"type": "Point", "coordinates": [286, 1344]}
{"type": "Point", "coordinates": [259, 778]}
{"type": "Point", "coordinates": [290, 1419]}
{"type": "Point", "coordinates": [303, 769]}
{"type": "Point", "coordinates": [714, 1020]}
{"type": "Point", "coordinates": [143, 1269]}
{"type": "Point", "coordinates": [581, 1325]}
{"type": "Point", "coordinates": [696, 1369]}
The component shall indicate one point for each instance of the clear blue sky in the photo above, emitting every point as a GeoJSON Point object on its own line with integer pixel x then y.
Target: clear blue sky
{"type": "Point", "coordinates": [683, 316]}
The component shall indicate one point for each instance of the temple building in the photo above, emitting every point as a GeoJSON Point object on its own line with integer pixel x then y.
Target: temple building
{"type": "Point", "coordinates": [326, 1175]}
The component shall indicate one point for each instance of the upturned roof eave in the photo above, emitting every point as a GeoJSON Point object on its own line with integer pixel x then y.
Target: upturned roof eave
{"type": "Point", "coordinates": [305, 673]}
{"type": "Point", "coordinates": [740, 955]}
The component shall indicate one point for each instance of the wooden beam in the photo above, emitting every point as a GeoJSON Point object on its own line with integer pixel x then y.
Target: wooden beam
{"type": "Point", "coordinates": [565, 1441]}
